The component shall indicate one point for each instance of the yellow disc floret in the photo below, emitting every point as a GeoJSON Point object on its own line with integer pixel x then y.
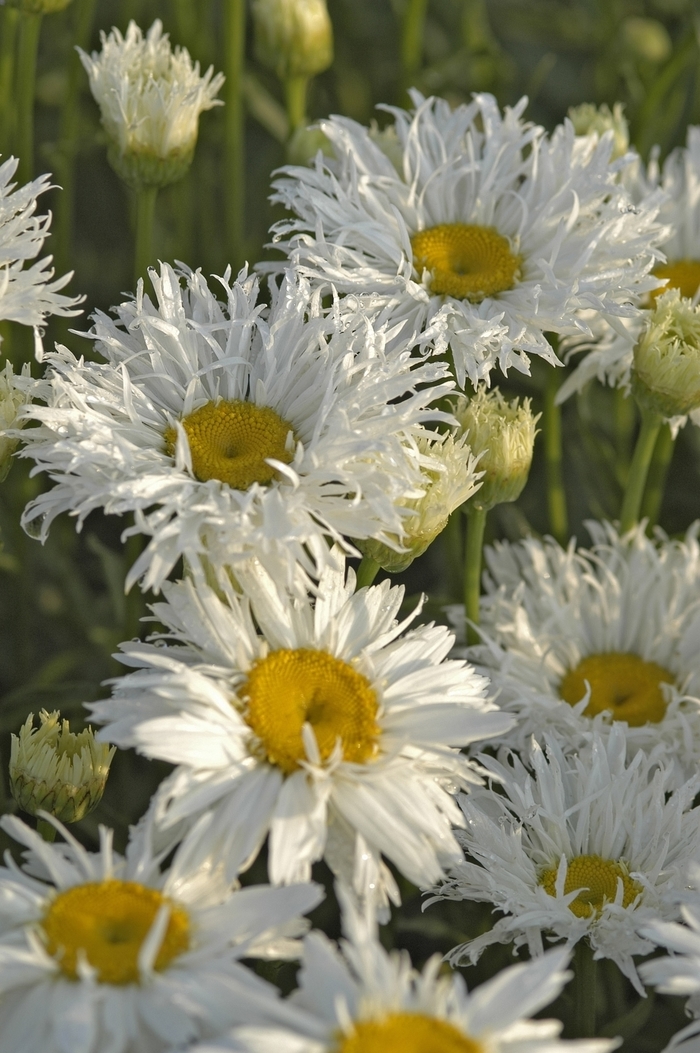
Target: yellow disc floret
{"type": "Point", "coordinates": [597, 878]}
{"type": "Point", "coordinates": [290, 688]}
{"type": "Point", "coordinates": [105, 924]}
{"type": "Point", "coordinates": [466, 261]}
{"type": "Point", "coordinates": [683, 275]}
{"type": "Point", "coordinates": [232, 440]}
{"type": "Point", "coordinates": [621, 684]}
{"type": "Point", "coordinates": [406, 1033]}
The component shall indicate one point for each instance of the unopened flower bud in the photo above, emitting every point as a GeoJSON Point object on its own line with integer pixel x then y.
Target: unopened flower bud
{"type": "Point", "coordinates": [11, 399]}
{"type": "Point", "coordinates": [588, 119]}
{"type": "Point", "coordinates": [150, 98]}
{"type": "Point", "coordinates": [56, 771]}
{"type": "Point", "coordinates": [450, 476]}
{"type": "Point", "coordinates": [293, 37]}
{"type": "Point", "coordinates": [646, 39]}
{"type": "Point", "coordinates": [503, 433]}
{"type": "Point", "coordinates": [666, 371]}
{"type": "Point", "coordinates": [39, 7]}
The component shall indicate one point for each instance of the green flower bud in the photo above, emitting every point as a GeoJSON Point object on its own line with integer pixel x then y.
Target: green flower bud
{"type": "Point", "coordinates": [646, 39]}
{"type": "Point", "coordinates": [588, 119]}
{"type": "Point", "coordinates": [293, 37]}
{"type": "Point", "coordinates": [502, 435]}
{"type": "Point", "coordinates": [55, 771]}
{"type": "Point", "coordinates": [450, 477]}
{"type": "Point", "coordinates": [666, 371]}
{"type": "Point", "coordinates": [11, 399]}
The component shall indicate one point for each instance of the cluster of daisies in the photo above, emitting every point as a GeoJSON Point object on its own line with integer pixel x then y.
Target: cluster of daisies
{"type": "Point", "coordinates": [257, 443]}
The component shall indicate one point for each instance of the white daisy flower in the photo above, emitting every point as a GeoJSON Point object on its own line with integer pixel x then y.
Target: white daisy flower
{"type": "Point", "coordinates": [327, 729]}
{"type": "Point", "coordinates": [227, 432]}
{"type": "Point", "coordinates": [361, 999]}
{"type": "Point", "coordinates": [487, 236]}
{"type": "Point", "coordinates": [28, 294]}
{"type": "Point", "coordinates": [150, 98]}
{"type": "Point", "coordinates": [588, 846]}
{"type": "Point", "coordinates": [102, 954]}
{"type": "Point", "coordinates": [577, 639]}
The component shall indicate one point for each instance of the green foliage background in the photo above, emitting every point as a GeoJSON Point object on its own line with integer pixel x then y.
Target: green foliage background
{"type": "Point", "coordinates": [62, 606]}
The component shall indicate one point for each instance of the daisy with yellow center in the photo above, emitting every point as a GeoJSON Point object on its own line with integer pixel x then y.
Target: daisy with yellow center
{"type": "Point", "coordinates": [359, 998]}
{"type": "Point", "coordinates": [141, 959]}
{"type": "Point", "coordinates": [575, 846]}
{"type": "Point", "coordinates": [583, 638]}
{"type": "Point", "coordinates": [230, 430]}
{"type": "Point", "coordinates": [473, 227]}
{"type": "Point", "coordinates": [314, 721]}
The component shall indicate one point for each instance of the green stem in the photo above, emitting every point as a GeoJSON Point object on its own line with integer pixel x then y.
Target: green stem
{"type": "Point", "coordinates": [453, 551]}
{"type": "Point", "coordinates": [83, 19]}
{"type": "Point", "coordinates": [145, 216]}
{"type": "Point", "coordinates": [29, 30]}
{"type": "Point", "coordinates": [367, 571]}
{"type": "Point", "coordinates": [234, 135]}
{"type": "Point", "coordinates": [8, 37]}
{"type": "Point", "coordinates": [585, 990]}
{"type": "Point", "coordinates": [476, 524]}
{"type": "Point", "coordinates": [658, 470]}
{"type": "Point", "coordinates": [295, 97]}
{"type": "Point", "coordinates": [551, 427]}
{"type": "Point", "coordinates": [47, 831]}
{"type": "Point", "coordinates": [641, 459]}
{"type": "Point", "coordinates": [412, 33]}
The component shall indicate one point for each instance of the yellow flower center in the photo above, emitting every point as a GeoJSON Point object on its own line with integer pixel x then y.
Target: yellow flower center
{"type": "Point", "coordinates": [291, 688]}
{"type": "Point", "coordinates": [622, 684]}
{"type": "Point", "coordinates": [467, 262]}
{"type": "Point", "coordinates": [407, 1033]}
{"type": "Point", "coordinates": [106, 923]}
{"type": "Point", "coordinates": [683, 275]}
{"type": "Point", "coordinates": [597, 879]}
{"type": "Point", "coordinates": [232, 440]}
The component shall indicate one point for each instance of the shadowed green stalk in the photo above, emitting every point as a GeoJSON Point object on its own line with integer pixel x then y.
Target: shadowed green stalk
{"type": "Point", "coordinates": [295, 97]}
{"type": "Point", "coordinates": [8, 38]}
{"type": "Point", "coordinates": [625, 418]}
{"type": "Point", "coordinates": [47, 831]}
{"type": "Point", "coordinates": [453, 549]}
{"type": "Point", "coordinates": [412, 33]}
{"type": "Point", "coordinates": [145, 217]}
{"type": "Point", "coordinates": [234, 150]}
{"type": "Point", "coordinates": [585, 990]}
{"type": "Point", "coordinates": [658, 471]}
{"type": "Point", "coordinates": [29, 30]}
{"type": "Point", "coordinates": [476, 524]}
{"type": "Point", "coordinates": [83, 19]}
{"type": "Point", "coordinates": [551, 429]}
{"type": "Point", "coordinates": [639, 468]}
{"type": "Point", "coordinates": [367, 571]}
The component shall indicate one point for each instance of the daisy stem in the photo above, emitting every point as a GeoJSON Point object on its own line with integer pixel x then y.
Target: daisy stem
{"type": "Point", "coordinates": [8, 37]}
{"type": "Point", "coordinates": [551, 427]}
{"type": "Point", "coordinates": [585, 981]}
{"type": "Point", "coordinates": [47, 831]}
{"type": "Point", "coordinates": [639, 468]}
{"type": "Point", "coordinates": [412, 38]}
{"type": "Point", "coordinates": [367, 571]}
{"type": "Point", "coordinates": [295, 96]}
{"type": "Point", "coordinates": [476, 524]}
{"type": "Point", "coordinates": [145, 216]}
{"type": "Point", "coordinates": [234, 136]}
{"type": "Point", "coordinates": [29, 30]}
{"type": "Point", "coordinates": [658, 470]}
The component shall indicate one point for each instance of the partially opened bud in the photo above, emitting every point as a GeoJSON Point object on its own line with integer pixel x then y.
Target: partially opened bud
{"type": "Point", "coordinates": [55, 771]}
{"type": "Point", "coordinates": [293, 37]}
{"type": "Point", "coordinates": [666, 371]}
{"type": "Point", "coordinates": [150, 98]}
{"type": "Point", "coordinates": [588, 118]}
{"type": "Point", "coordinates": [450, 477]}
{"type": "Point", "coordinates": [503, 434]}
{"type": "Point", "coordinates": [11, 399]}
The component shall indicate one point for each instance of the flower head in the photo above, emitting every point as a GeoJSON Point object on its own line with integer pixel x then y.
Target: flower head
{"type": "Point", "coordinates": [120, 956]}
{"type": "Point", "coordinates": [150, 98]}
{"type": "Point", "coordinates": [586, 846]}
{"type": "Point", "coordinates": [56, 771]}
{"type": "Point", "coordinates": [475, 227]}
{"type": "Point", "coordinates": [293, 37]}
{"type": "Point", "coordinates": [588, 119]}
{"type": "Point", "coordinates": [325, 727]}
{"type": "Point", "coordinates": [12, 398]}
{"type": "Point", "coordinates": [502, 435]}
{"type": "Point", "coordinates": [666, 370]}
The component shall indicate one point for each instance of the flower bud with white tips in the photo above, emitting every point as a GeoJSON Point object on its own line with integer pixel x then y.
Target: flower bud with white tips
{"type": "Point", "coordinates": [598, 120]}
{"type": "Point", "coordinates": [12, 398]}
{"type": "Point", "coordinates": [293, 37]}
{"type": "Point", "coordinates": [56, 771]}
{"type": "Point", "coordinates": [666, 371]}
